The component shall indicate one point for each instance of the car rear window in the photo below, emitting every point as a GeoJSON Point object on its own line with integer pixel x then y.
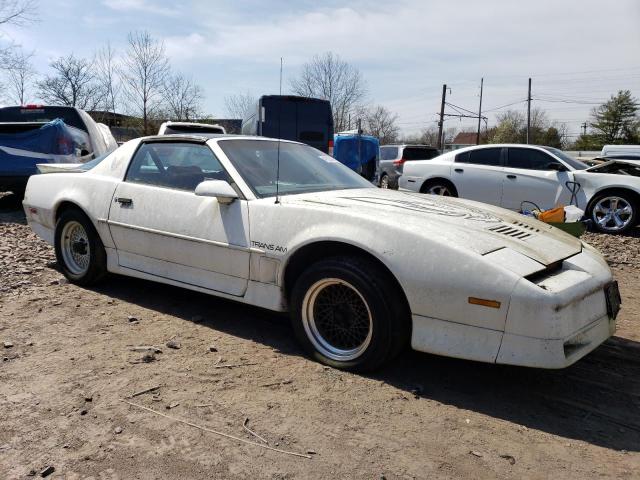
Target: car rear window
{"type": "Point", "coordinates": [418, 153]}
{"type": "Point", "coordinates": [177, 129]}
{"type": "Point", "coordinates": [42, 115]}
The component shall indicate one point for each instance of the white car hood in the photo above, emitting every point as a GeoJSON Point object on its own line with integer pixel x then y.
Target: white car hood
{"type": "Point", "coordinates": [452, 221]}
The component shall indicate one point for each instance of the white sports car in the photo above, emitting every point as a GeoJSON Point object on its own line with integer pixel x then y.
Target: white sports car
{"type": "Point", "coordinates": [363, 271]}
{"type": "Point", "coordinates": [507, 175]}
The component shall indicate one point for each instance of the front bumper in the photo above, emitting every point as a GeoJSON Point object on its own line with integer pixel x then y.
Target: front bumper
{"type": "Point", "coordinates": [554, 353]}
{"type": "Point", "coordinates": [551, 321]}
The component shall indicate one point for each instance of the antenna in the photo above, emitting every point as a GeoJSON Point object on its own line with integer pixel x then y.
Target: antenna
{"type": "Point", "coordinates": [279, 135]}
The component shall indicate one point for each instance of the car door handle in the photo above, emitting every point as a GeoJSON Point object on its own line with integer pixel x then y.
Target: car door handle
{"type": "Point", "coordinates": [511, 176]}
{"type": "Point", "coordinates": [124, 201]}
{"type": "Point", "coordinates": [459, 170]}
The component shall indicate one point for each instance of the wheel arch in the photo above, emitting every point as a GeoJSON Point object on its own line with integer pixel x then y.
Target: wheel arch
{"type": "Point", "coordinates": [66, 205]}
{"type": "Point", "coordinates": [613, 190]}
{"type": "Point", "coordinates": [308, 254]}
{"type": "Point", "coordinates": [428, 181]}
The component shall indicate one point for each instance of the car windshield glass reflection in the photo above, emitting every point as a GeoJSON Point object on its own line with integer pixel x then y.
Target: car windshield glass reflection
{"type": "Point", "coordinates": [302, 168]}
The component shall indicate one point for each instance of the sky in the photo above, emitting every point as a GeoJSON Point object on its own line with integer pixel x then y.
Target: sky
{"type": "Point", "coordinates": [577, 52]}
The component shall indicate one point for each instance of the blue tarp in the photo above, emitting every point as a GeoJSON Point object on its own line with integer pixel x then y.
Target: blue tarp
{"type": "Point", "coordinates": [48, 142]}
{"type": "Point", "coordinates": [358, 152]}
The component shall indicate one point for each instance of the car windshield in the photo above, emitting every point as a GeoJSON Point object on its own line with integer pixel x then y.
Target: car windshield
{"type": "Point", "coordinates": [573, 163]}
{"type": "Point", "coordinates": [302, 168]}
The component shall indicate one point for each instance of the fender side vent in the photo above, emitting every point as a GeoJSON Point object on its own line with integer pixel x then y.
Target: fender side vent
{"type": "Point", "coordinates": [528, 227]}
{"type": "Point", "coordinates": [510, 231]}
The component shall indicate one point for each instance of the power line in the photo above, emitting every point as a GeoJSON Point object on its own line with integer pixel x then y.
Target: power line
{"type": "Point", "coordinates": [460, 108]}
{"type": "Point", "coordinates": [504, 106]}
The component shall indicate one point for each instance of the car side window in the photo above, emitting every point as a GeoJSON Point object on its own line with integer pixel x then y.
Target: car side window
{"type": "Point", "coordinates": [388, 153]}
{"type": "Point", "coordinates": [174, 165]}
{"type": "Point", "coordinates": [529, 158]}
{"type": "Point", "coordinates": [483, 156]}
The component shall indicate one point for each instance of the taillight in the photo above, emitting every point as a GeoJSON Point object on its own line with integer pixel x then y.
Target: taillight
{"type": "Point", "coordinates": [331, 148]}
{"type": "Point", "coordinates": [32, 106]}
{"type": "Point", "coordinates": [399, 163]}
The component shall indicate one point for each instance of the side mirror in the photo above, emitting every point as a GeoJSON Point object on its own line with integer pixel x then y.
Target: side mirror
{"type": "Point", "coordinates": [558, 167]}
{"type": "Point", "coordinates": [217, 188]}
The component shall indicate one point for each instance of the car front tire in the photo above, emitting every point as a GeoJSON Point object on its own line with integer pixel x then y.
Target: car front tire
{"type": "Point", "coordinates": [79, 250]}
{"type": "Point", "coordinates": [346, 313]}
{"type": "Point", "coordinates": [614, 212]}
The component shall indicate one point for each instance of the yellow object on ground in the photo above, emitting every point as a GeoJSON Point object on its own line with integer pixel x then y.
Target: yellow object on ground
{"type": "Point", "coordinates": [555, 215]}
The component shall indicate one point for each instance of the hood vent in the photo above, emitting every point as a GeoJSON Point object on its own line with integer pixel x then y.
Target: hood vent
{"type": "Point", "coordinates": [514, 231]}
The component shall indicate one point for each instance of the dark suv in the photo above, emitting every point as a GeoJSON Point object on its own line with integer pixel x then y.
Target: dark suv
{"type": "Point", "coordinates": [392, 158]}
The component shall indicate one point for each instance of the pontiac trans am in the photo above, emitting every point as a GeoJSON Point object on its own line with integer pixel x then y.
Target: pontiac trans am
{"type": "Point", "coordinates": [364, 272]}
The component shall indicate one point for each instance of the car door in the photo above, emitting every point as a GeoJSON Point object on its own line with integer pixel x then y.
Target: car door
{"type": "Point", "coordinates": [532, 175]}
{"type": "Point", "coordinates": [477, 175]}
{"type": "Point", "coordinates": [160, 227]}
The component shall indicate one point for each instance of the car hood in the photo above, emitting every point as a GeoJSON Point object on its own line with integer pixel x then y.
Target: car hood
{"type": "Point", "coordinates": [465, 224]}
{"type": "Point", "coordinates": [621, 167]}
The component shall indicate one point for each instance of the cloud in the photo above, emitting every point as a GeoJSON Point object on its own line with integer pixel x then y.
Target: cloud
{"type": "Point", "coordinates": [140, 6]}
{"type": "Point", "coordinates": [407, 50]}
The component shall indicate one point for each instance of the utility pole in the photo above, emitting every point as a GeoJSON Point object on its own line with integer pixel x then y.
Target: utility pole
{"type": "Point", "coordinates": [359, 123]}
{"type": "Point", "coordinates": [529, 113]}
{"type": "Point", "coordinates": [584, 128]}
{"type": "Point", "coordinates": [479, 112]}
{"type": "Point", "coordinates": [441, 122]}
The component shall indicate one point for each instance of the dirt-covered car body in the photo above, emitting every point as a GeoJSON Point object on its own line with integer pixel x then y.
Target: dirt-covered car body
{"type": "Point", "coordinates": [480, 282]}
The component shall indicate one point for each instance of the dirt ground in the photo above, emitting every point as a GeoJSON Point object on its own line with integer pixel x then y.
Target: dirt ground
{"type": "Point", "coordinates": [68, 364]}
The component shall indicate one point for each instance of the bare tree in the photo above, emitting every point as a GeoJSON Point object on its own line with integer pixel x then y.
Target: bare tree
{"type": "Point", "coordinates": [183, 97]}
{"type": "Point", "coordinates": [107, 77]}
{"type": "Point", "coordinates": [240, 105]}
{"type": "Point", "coordinates": [144, 72]}
{"type": "Point", "coordinates": [73, 83]}
{"type": "Point", "coordinates": [17, 13]}
{"type": "Point", "coordinates": [329, 77]}
{"type": "Point", "coordinates": [20, 76]}
{"type": "Point", "coordinates": [381, 123]}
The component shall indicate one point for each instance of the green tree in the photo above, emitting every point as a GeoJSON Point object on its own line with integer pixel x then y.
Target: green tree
{"type": "Point", "coordinates": [512, 128]}
{"type": "Point", "coordinates": [616, 121]}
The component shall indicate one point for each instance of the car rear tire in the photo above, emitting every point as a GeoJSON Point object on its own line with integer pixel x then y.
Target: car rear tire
{"type": "Point", "coordinates": [348, 314]}
{"type": "Point", "coordinates": [439, 187]}
{"type": "Point", "coordinates": [79, 250]}
{"type": "Point", "coordinates": [614, 212]}
{"type": "Point", "coordinates": [384, 181]}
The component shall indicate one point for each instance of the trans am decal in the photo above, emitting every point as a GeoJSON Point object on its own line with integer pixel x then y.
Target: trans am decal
{"type": "Point", "coordinates": [422, 203]}
{"type": "Point", "coordinates": [268, 247]}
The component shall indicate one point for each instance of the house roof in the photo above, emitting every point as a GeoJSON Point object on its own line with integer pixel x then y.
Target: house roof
{"type": "Point", "coordinates": [465, 138]}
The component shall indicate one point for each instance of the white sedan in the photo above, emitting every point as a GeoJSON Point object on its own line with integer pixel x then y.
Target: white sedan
{"type": "Point", "coordinates": [364, 272]}
{"type": "Point", "coordinates": [507, 175]}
